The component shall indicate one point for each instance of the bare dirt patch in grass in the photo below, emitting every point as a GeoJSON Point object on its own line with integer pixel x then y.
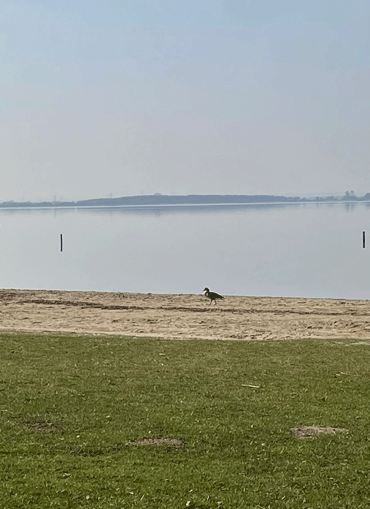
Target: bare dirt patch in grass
{"type": "Point", "coordinates": [173, 442]}
{"type": "Point", "coordinates": [314, 431]}
{"type": "Point", "coordinates": [44, 426]}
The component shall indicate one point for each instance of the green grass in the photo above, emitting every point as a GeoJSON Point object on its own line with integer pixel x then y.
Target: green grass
{"type": "Point", "coordinates": [70, 407]}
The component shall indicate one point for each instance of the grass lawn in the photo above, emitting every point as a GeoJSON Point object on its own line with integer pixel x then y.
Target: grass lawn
{"type": "Point", "coordinates": [217, 416]}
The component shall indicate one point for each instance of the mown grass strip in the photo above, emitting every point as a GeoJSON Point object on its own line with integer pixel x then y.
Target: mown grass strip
{"type": "Point", "coordinates": [215, 418]}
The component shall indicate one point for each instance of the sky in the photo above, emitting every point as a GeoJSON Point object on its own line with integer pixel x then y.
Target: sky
{"type": "Point", "coordinates": [106, 98]}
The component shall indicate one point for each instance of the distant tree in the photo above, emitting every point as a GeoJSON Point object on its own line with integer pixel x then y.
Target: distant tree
{"type": "Point", "coordinates": [349, 195]}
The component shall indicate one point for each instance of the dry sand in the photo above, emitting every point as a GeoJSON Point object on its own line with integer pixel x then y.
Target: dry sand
{"type": "Point", "coordinates": [183, 316]}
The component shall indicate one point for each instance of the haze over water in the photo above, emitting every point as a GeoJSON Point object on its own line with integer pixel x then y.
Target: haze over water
{"type": "Point", "coordinates": [298, 250]}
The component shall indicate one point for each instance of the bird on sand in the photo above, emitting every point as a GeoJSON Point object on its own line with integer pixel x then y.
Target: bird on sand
{"type": "Point", "coordinates": [212, 295]}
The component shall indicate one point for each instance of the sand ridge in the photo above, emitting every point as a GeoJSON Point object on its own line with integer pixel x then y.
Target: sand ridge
{"type": "Point", "coordinates": [183, 315]}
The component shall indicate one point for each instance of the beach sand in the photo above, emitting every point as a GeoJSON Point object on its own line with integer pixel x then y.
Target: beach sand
{"type": "Point", "coordinates": [183, 316]}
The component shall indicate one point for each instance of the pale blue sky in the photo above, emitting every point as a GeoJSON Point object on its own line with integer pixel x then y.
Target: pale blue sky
{"type": "Point", "coordinates": [129, 97]}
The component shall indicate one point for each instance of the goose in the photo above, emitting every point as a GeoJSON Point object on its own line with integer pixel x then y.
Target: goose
{"type": "Point", "coordinates": [212, 295]}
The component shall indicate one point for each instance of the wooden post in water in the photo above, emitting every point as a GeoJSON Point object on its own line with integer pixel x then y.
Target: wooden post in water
{"type": "Point", "coordinates": [363, 240]}
{"type": "Point", "coordinates": [61, 242]}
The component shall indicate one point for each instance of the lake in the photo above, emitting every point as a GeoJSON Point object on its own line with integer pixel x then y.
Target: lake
{"type": "Point", "coordinates": [298, 250]}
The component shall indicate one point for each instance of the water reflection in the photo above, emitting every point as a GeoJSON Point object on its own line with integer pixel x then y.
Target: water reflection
{"type": "Point", "coordinates": [304, 249]}
{"type": "Point", "coordinates": [156, 210]}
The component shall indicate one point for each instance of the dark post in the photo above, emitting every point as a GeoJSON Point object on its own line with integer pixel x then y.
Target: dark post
{"type": "Point", "coordinates": [61, 242]}
{"type": "Point", "coordinates": [363, 239]}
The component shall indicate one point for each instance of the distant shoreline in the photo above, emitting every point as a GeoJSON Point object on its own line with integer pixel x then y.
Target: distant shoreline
{"type": "Point", "coordinates": [194, 199]}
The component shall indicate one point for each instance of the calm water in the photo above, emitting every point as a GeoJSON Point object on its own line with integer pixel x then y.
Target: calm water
{"type": "Point", "coordinates": [305, 250]}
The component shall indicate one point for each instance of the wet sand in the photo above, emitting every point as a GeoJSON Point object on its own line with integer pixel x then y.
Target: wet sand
{"type": "Point", "coordinates": [183, 316]}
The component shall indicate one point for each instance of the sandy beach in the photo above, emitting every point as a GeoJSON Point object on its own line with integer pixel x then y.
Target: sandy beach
{"type": "Point", "coordinates": [183, 316]}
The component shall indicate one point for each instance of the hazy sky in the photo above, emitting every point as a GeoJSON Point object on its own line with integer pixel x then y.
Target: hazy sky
{"type": "Point", "coordinates": [123, 97]}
